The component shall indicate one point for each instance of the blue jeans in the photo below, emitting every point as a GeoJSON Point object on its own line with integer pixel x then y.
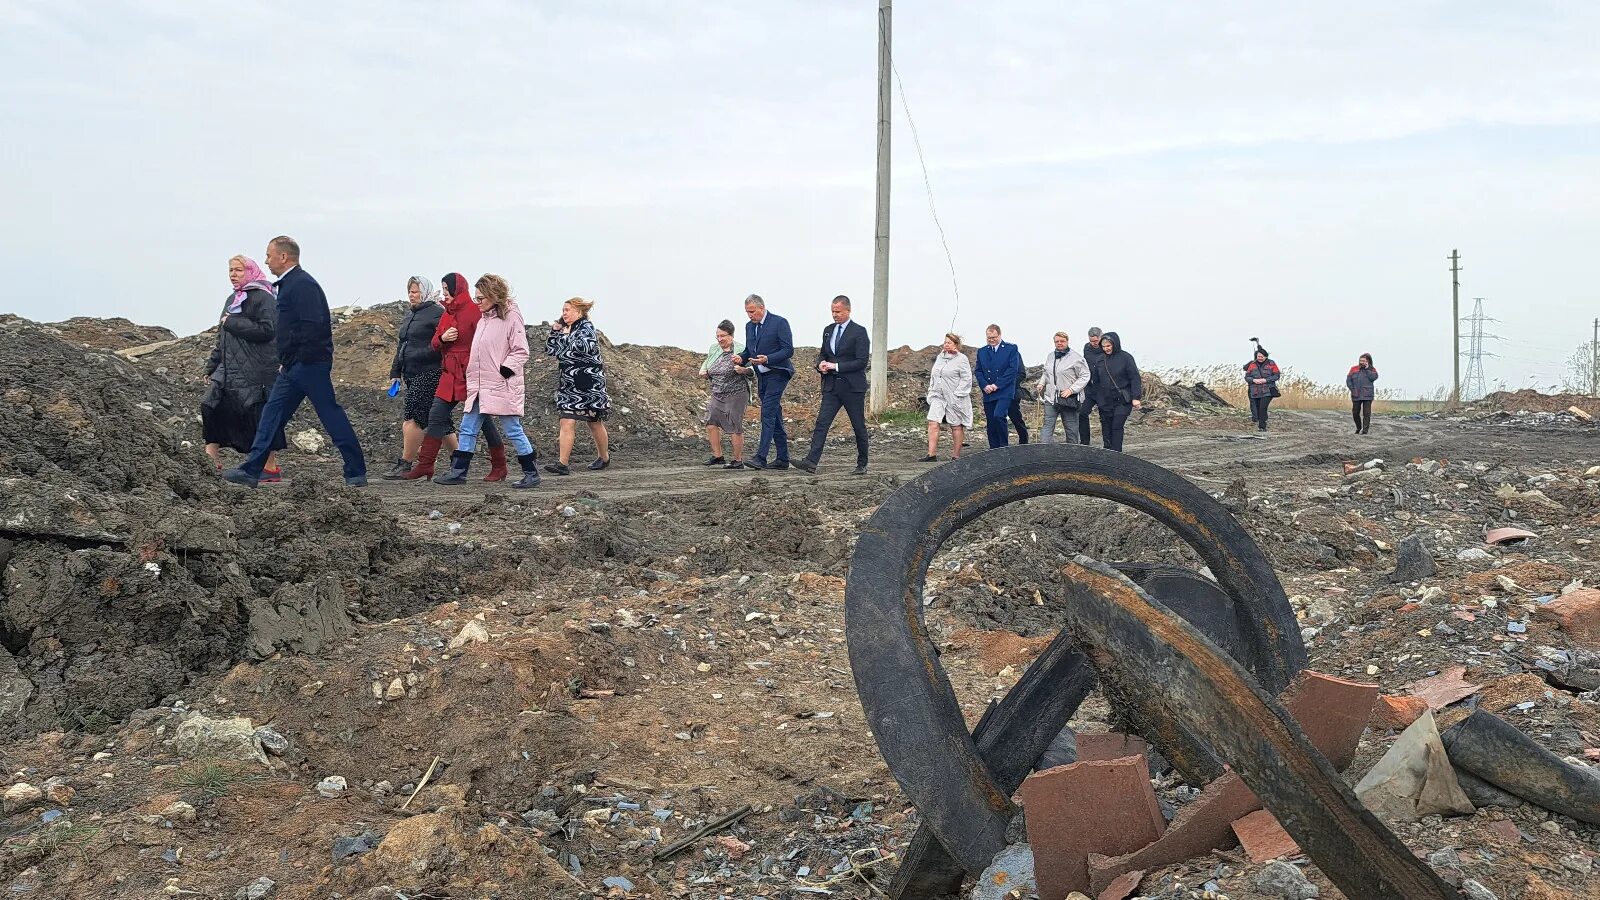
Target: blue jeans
{"type": "Point", "coordinates": [306, 381]}
{"type": "Point", "coordinates": [994, 419]}
{"type": "Point", "coordinates": [1069, 425]}
{"type": "Point", "coordinates": [511, 426]}
{"type": "Point", "coordinates": [773, 384]}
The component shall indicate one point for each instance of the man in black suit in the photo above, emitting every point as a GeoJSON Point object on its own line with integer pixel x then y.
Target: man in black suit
{"type": "Point", "coordinates": [843, 364]}
{"type": "Point", "coordinates": [768, 348]}
{"type": "Point", "coordinates": [305, 368]}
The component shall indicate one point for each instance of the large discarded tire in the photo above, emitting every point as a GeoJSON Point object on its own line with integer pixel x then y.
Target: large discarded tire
{"type": "Point", "coordinates": [908, 700]}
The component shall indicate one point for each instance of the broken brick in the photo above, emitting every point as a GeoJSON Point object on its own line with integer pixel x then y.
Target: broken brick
{"type": "Point", "coordinates": [1263, 838]}
{"type": "Point", "coordinates": [1445, 688]}
{"type": "Point", "coordinates": [1578, 615]}
{"type": "Point", "coordinates": [1100, 806]}
{"type": "Point", "coordinates": [1397, 713]}
{"type": "Point", "coordinates": [1506, 830]}
{"type": "Point", "coordinates": [1123, 887]}
{"type": "Point", "coordinates": [1206, 822]}
{"type": "Point", "coordinates": [1110, 745]}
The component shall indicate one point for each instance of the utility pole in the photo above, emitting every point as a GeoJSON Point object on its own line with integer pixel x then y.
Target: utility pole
{"type": "Point", "coordinates": [1594, 361]}
{"type": "Point", "coordinates": [880, 255]}
{"type": "Point", "coordinates": [1455, 326]}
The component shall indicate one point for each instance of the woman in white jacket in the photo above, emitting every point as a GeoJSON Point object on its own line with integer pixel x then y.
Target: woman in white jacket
{"type": "Point", "coordinates": [1060, 390]}
{"type": "Point", "coordinates": [949, 396]}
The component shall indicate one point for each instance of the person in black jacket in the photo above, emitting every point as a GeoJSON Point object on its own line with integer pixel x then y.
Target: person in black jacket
{"type": "Point", "coordinates": [1091, 352]}
{"type": "Point", "coordinates": [305, 368]}
{"type": "Point", "coordinates": [1115, 378]}
{"type": "Point", "coordinates": [242, 368]}
{"type": "Point", "coordinates": [842, 361]}
{"type": "Point", "coordinates": [416, 364]}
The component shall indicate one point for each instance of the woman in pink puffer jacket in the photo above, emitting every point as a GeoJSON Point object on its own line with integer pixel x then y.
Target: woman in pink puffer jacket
{"type": "Point", "coordinates": [494, 381]}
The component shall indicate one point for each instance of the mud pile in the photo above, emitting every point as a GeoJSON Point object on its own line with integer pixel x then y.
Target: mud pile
{"type": "Point", "coordinates": [1531, 401]}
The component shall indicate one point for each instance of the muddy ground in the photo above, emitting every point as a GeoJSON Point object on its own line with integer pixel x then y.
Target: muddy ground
{"type": "Point", "coordinates": [528, 693]}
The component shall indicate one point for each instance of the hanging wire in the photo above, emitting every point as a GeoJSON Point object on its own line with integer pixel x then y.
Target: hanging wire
{"type": "Point", "coordinates": [927, 184]}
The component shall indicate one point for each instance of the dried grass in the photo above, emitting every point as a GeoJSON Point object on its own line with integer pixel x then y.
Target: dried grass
{"type": "Point", "coordinates": [1299, 391]}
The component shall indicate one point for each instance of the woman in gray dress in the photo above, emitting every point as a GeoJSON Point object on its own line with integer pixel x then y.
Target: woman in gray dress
{"type": "Point", "coordinates": [949, 396]}
{"type": "Point", "coordinates": [730, 394]}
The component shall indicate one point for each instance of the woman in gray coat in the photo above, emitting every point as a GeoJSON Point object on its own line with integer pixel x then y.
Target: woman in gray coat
{"type": "Point", "coordinates": [242, 367]}
{"type": "Point", "coordinates": [1060, 389]}
{"type": "Point", "coordinates": [949, 396]}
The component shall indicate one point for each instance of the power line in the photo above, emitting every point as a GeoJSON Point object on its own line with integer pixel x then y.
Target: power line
{"type": "Point", "coordinates": [927, 184]}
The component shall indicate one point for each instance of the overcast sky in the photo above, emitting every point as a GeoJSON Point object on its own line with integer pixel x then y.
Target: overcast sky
{"type": "Point", "coordinates": [1189, 175]}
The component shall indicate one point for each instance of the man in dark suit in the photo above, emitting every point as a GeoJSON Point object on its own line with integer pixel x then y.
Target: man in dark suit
{"type": "Point", "coordinates": [843, 364]}
{"type": "Point", "coordinates": [769, 347]}
{"type": "Point", "coordinates": [305, 368]}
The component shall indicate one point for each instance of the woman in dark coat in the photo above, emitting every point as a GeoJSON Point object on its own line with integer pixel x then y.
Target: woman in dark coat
{"type": "Point", "coordinates": [452, 340]}
{"type": "Point", "coordinates": [1261, 377]}
{"type": "Point", "coordinates": [242, 367]}
{"type": "Point", "coordinates": [581, 392]}
{"type": "Point", "coordinates": [1118, 388]}
{"type": "Point", "coordinates": [416, 364]}
{"type": "Point", "coordinates": [1362, 393]}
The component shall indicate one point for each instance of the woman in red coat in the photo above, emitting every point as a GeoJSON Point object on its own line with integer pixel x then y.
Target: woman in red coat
{"type": "Point", "coordinates": [453, 340]}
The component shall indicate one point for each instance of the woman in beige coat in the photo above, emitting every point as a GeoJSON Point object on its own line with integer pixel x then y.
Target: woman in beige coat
{"type": "Point", "coordinates": [949, 396]}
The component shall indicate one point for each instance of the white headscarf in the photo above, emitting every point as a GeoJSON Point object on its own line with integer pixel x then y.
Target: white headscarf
{"type": "Point", "coordinates": [430, 294]}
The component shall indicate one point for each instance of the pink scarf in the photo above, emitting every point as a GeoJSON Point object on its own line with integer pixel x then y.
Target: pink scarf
{"type": "Point", "coordinates": [253, 278]}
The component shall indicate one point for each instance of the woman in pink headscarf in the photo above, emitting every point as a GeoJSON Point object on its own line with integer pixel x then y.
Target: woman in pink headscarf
{"type": "Point", "coordinates": [242, 367]}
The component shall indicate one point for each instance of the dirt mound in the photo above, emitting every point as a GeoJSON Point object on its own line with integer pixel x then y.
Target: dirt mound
{"type": "Point", "coordinates": [97, 334]}
{"type": "Point", "coordinates": [1531, 401]}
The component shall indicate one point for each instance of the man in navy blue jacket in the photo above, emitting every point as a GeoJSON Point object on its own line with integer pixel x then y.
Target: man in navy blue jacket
{"type": "Point", "coordinates": [999, 373]}
{"type": "Point", "coordinates": [305, 368]}
{"type": "Point", "coordinates": [843, 364]}
{"type": "Point", "coordinates": [769, 347]}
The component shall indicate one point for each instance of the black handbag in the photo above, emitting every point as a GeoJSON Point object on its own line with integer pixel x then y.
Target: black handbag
{"type": "Point", "coordinates": [1068, 404]}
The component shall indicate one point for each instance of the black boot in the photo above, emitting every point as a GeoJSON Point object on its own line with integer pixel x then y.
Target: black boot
{"type": "Point", "coordinates": [401, 467]}
{"type": "Point", "coordinates": [530, 471]}
{"type": "Point", "coordinates": [460, 461]}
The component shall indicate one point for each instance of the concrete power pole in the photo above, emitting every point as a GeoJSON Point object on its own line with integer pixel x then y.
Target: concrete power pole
{"type": "Point", "coordinates": [1455, 326]}
{"type": "Point", "coordinates": [1594, 361]}
{"type": "Point", "coordinates": [880, 257]}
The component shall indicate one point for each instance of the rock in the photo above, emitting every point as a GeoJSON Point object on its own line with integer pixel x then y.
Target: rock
{"type": "Point", "coordinates": [1281, 879]}
{"type": "Point", "coordinates": [259, 889]}
{"type": "Point", "coordinates": [1363, 476]}
{"type": "Point", "coordinates": [59, 791]}
{"type": "Point", "coordinates": [332, 787]}
{"type": "Point", "coordinates": [1577, 614]}
{"type": "Point", "coordinates": [1577, 862]}
{"type": "Point", "coordinates": [271, 741]}
{"type": "Point", "coordinates": [15, 687]}
{"type": "Point", "coordinates": [471, 633]}
{"type": "Point", "coordinates": [1412, 561]}
{"type": "Point", "coordinates": [620, 883]}
{"type": "Point", "coordinates": [417, 845]}
{"type": "Point", "coordinates": [21, 796]}
{"type": "Point", "coordinates": [202, 736]}
{"type": "Point", "coordinates": [179, 812]}
{"type": "Point", "coordinates": [1472, 890]}
{"type": "Point", "coordinates": [1475, 554]}
{"type": "Point", "coordinates": [310, 440]}
{"type": "Point", "coordinates": [1322, 609]}
{"type": "Point", "coordinates": [397, 689]}
{"type": "Point", "coordinates": [346, 847]}
{"type": "Point", "coordinates": [1012, 870]}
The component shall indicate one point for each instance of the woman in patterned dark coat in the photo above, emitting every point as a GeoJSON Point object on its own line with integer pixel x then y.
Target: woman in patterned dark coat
{"type": "Point", "coordinates": [581, 390]}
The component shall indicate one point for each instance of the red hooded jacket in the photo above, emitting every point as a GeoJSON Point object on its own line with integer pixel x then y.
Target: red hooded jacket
{"type": "Point", "coordinates": [463, 315]}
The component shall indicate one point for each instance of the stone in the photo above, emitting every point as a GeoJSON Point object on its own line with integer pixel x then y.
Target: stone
{"type": "Point", "coordinates": [59, 791]}
{"type": "Point", "coordinates": [1110, 745]}
{"type": "Point", "coordinates": [1412, 561]}
{"type": "Point", "coordinates": [1472, 890]}
{"type": "Point", "coordinates": [1475, 554]}
{"type": "Point", "coordinates": [259, 889]}
{"type": "Point", "coordinates": [179, 812]}
{"type": "Point", "coordinates": [202, 736]}
{"type": "Point", "coordinates": [1577, 862]}
{"type": "Point", "coordinates": [471, 633]}
{"type": "Point", "coordinates": [271, 741]}
{"type": "Point", "coordinates": [1263, 838]}
{"type": "Point", "coordinates": [332, 787]}
{"type": "Point", "coordinates": [620, 883]}
{"type": "Point", "coordinates": [1011, 870]}
{"type": "Point", "coordinates": [1102, 807]}
{"type": "Point", "coordinates": [417, 845]}
{"type": "Point", "coordinates": [1414, 779]}
{"type": "Point", "coordinates": [1445, 688]}
{"type": "Point", "coordinates": [1281, 879]}
{"type": "Point", "coordinates": [21, 796]}
{"type": "Point", "coordinates": [310, 440]}
{"type": "Point", "coordinates": [15, 687]}
{"type": "Point", "coordinates": [1397, 713]}
{"type": "Point", "coordinates": [1577, 614]}
{"type": "Point", "coordinates": [397, 689]}
{"type": "Point", "coordinates": [346, 847]}
{"type": "Point", "coordinates": [1506, 830]}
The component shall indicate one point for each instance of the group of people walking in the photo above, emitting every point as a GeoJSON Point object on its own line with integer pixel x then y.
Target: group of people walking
{"type": "Point", "coordinates": [1070, 386]}
{"type": "Point", "coordinates": [457, 347]}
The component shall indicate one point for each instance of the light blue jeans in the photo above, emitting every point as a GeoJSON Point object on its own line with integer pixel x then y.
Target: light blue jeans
{"type": "Point", "coordinates": [510, 426]}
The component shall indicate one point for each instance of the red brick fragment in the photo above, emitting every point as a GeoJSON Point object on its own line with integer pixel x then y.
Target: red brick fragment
{"type": "Point", "coordinates": [1100, 806]}
{"type": "Point", "coordinates": [1578, 615]}
{"type": "Point", "coordinates": [1123, 887]}
{"type": "Point", "coordinates": [1506, 830]}
{"type": "Point", "coordinates": [1332, 712]}
{"type": "Point", "coordinates": [1397, 713]}
{"type": "Point", "coordinates": [1110, 745]}
{"type": "Point", "coordinates": [1263, 839]}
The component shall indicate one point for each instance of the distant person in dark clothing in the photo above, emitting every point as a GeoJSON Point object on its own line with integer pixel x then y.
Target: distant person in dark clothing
{"type": "Point", "coordinates": [581, 394]}
{"type": "Point", "coordinates": [1261, 378]}
{"type": "Point", "coordinates": [1091, 351]}
{"type": "Point", "coordinates": [1362, 393]}
{"type": "Point", "coordinates": [769, 348]}
{"type": "Point", "coordinates": [416, 364]}
{"type": "Point", "coordinates": [242, 368]}
{"type": "Point", "coordinates": [842, 362]}
{"type": "Point", "coordinates": [999, 373]}
{"type": "Point", "coordinates": [305, 358]}
{"type": "Point", "coordinates": [1120, 389]}
{"type": "Point", "coordinates": [452, 340]}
